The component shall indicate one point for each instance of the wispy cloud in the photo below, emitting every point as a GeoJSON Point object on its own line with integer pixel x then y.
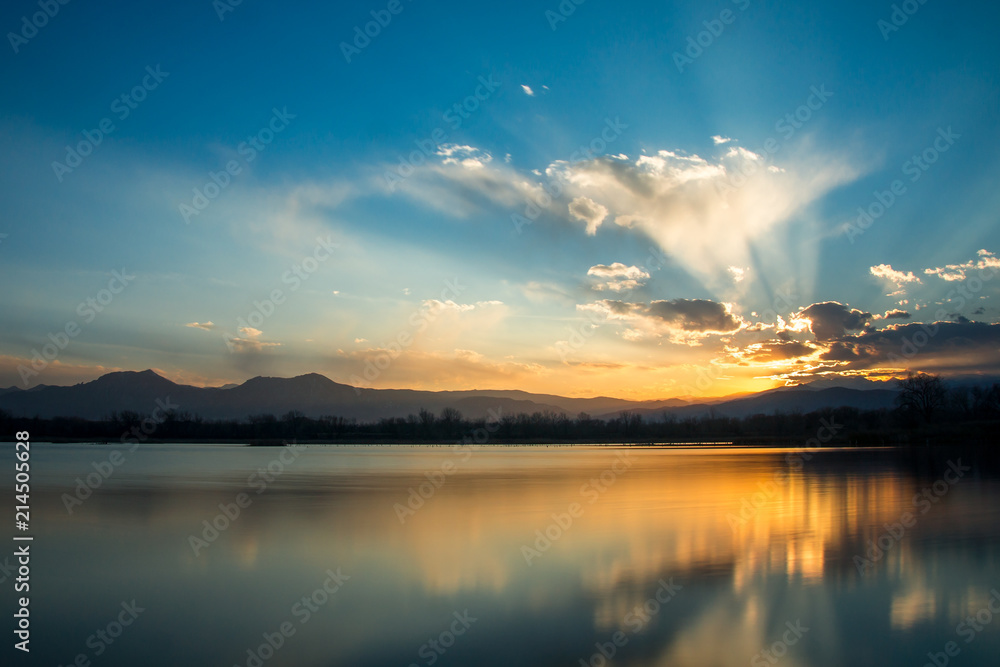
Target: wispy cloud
{"type": "Point", "coordinates": [678, 200]}
{"type": "Point", "coordinates": [205, 326]}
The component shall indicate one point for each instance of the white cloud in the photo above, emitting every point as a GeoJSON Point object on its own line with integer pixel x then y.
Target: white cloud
{"type": "Point", "coordinates": [958, 272]}
{"type": "Point", "coordinates": [527, 90]}
{"type": "Point", "coordinates": [737, 273]}
{"type": "Point", "coordinates": [740, 152]}
{"type": "Point", "coordinates": [707, 214]}
{"type": "Point", "coordinates": [434, 306]}
{"type": "Point", "coordinates": [691, 203]}
{"type": "Point", "coordinates": [619, 277]}
{"type": "Point", "coordinates": [465, 156]}
{"type": "Point", "coordinates": [899, 277]}
{"type": "Point", "coordinates": [587, 210]}
{"type": "Point", "coordinates": [616, 270]}
{"type": "Point", "coordinates": [205, 326]}
{"type": "Point", "coordinates": [719, 139]}
{"type": "Point", "coordinates": [249, 342]}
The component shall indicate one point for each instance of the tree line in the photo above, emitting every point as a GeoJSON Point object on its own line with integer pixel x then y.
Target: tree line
{"type": "Point", "coordinates": [926, 411]}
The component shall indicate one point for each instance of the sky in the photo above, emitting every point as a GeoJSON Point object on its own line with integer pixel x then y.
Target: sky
{"type": "Point", "coordinates": [643, 200]}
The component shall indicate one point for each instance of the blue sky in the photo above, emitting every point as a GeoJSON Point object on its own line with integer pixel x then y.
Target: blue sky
{"type": "Point", "coordinates": [647, 265]}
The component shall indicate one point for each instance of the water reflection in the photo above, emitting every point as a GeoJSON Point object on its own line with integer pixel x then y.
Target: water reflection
{"type": "Point", "coordinates": [553, 551]}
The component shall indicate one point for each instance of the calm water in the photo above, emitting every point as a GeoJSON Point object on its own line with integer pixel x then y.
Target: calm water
{"type": "Point", "coordinates": [659, 557]}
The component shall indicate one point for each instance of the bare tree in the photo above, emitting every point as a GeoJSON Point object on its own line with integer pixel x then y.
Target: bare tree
{"type": "Point", "coordinates": [921, 393]}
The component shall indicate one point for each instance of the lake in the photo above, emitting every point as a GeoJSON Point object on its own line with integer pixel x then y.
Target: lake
{"type": "Point", "coordinates": [532, 556]}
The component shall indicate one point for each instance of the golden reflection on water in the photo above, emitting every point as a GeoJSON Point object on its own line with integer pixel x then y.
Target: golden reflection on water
{"type": "Point", "coordinates": [754, 541]}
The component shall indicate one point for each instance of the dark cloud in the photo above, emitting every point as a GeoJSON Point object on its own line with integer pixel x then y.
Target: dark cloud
{"type": "Point", "coordinates": [694, 315]}
{"type": "Point", "coordinates": [681, 320]}
{"type": "Point", "coordinates": [848, 351]}
{"type": "Point", "coordinates": [937, 347]}
{"type": "Point", "coordinates": [780, 351]}
{"type": "Point", "coordinates": [832, 319]}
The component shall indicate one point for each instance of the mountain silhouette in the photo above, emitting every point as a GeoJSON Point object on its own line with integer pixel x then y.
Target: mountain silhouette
{"type": "Point", "coordinates": [315, 395]}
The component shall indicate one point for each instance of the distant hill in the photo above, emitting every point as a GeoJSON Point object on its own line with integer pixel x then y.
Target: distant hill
{"type": "Point", "coordinates": [316, 395]}
{"type": "Point", "coordinates": [792, 400]}
{"type": "Point", "coordinates": [313, 394]}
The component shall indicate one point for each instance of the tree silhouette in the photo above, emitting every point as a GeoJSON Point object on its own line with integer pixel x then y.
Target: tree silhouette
{"type": "Point", "coordinates": [922, 393]}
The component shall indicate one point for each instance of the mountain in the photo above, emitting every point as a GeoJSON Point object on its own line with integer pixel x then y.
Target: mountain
{"type": "Point", "coordinates": [316, 395]}
{"type": "Point", "coordinates": [783, 400]}
{"type": "Point", "coordinates": [93, 400]}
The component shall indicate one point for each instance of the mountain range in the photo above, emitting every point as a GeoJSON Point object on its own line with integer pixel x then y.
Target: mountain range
{"type": "Point", "coordinates": [316, 395]}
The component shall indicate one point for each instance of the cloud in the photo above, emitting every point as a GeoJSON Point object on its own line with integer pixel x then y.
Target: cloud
{"type": "Point", "coordinates": [947, 348]}
{"type": "Point", "coordinates": [738, 273]}
{"type": "Point", "coordinates": [681, 320]}
{"type": "Point", "coordinates": [249, 342]}
{"type": "Point", "coordinates": [689, 206]}
{"type": "Point", "coordinates": [940, 347]}
{"type": "Point", "coordinates": [620, 277]}
{"type": "Point", "coordinates": [706, 213]}
{"type": "Point", "coordinates": [849, 352]}
{"type": "Point", "coordinates": [958, 272]}
{"type": "Point", "coordinates": [460, 191]}
{"type": "Point", "coordinates": [896, 315]}
{"type": "Point", "coordinates": [465, 156]}
{"type": "Point", "coordinates": [740, 152]}
{"type": "Point", "coordinates": [898, 278]}
{"type": "Point", "coordinates": [538, 292]}
{"type": "Point", "coordinates": [527, 90]}
{"type": "Point", "coordinates": [587, 210]}
{"type": "Point", "coordinates": [204, 326]}
{"type": "Point", "coordinates": [943, 347]}
{"type": "Point", "coordinates": [699, 315]}
{"type": "Point", "coordinates": [719, 139]}
{"type": "Point", "coordinates": [774, 351]}
{"type": "Point", "coordinates": [434, 306]}
{"type": "Point", "coordinates": [616, 270]}
{"type": "Point", "coordinates": [832, 319]}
